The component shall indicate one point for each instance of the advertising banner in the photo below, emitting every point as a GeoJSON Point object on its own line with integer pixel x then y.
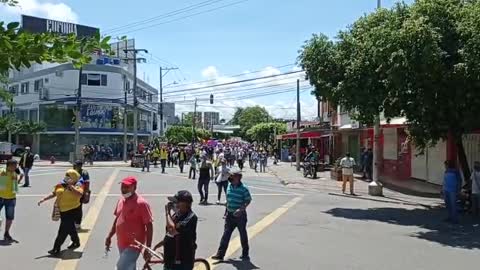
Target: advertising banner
{"type": "Point", "coordinates": [41, 25]}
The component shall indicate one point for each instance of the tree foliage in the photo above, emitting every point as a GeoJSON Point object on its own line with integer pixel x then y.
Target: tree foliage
{"type": "Point", "coordinates": [9, 124]}
{"type": "Point", "coordinates": [264, 132]}
{"type": "Point", "coordinates": [184, 134]}
{"type": "Point", "coordinates": [251, 116]}
{"type": "Point", "coordinates": [19, 48]}
{"type": "Point", "coordinates": [420, 61]}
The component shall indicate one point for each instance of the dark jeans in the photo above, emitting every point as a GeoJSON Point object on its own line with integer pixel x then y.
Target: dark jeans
{"type": "Point", "coordinates": [451, 204]}
{"type": "Point", "coordinates": [26, 172]}
{"type": "Point", "coordinates": [240, 164]}
{"type": "Point", "coordinates": [163, 162]}
{"type": "Point", "coordinates": [222, 185]}
{"type": "Point", "coordinates": [181, 163]}
{"type": "Point", "coordinates": [146, 164]}
{"type": "Point", "coordinates": [203, 189]}
{"type": "Point", "coordinates": [78, 219]}
{"type": "Point", "coordinates": [67, 227]}
{"type": "Point", "coordinates": [192, 170]}
{"type": "Point", "coordinates": [232, 222]}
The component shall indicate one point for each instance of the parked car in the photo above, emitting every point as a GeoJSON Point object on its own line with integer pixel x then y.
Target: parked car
{"type": "Point", "coordinates": [17, 149]}
{"type": "Point", "coordinates": [5, 151]}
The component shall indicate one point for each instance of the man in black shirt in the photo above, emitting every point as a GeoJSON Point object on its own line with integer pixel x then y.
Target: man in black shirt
{"type": "Point", "coordinates": [180, 240]}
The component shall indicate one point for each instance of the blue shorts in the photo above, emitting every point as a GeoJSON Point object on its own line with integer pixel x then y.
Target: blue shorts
{"type": "Point", "coordinates": [9, 208]}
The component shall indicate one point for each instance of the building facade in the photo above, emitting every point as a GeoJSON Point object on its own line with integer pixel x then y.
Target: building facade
{"type": "Point", "coordinates": [48, 93]}
{"type": "Point", "coordinates": [210, 119]}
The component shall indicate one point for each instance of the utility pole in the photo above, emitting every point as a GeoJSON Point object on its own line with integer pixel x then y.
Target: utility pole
{"type": "Point", "coordinates": [162, 132]}
{"type": "Point", "coordinates": [194, 122]}
{"type": "Point", "coordinates": [125, 120]}
{"type": "Point", "coordinates": [78, 115]}
{"type": "Point", "coordinates": [135, 100]}
{"type": "Point", "coordinates": [297, 155]}
{"type": "Point", "coordinates": [375, 188]}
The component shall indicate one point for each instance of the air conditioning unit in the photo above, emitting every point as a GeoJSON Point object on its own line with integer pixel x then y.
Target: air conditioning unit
{"type": "Point", "coordinates": [43, 94]}
{"type": "Point", "coordinates": [46, 80]}
{"type": "Point", "coordinates": [59, 73]}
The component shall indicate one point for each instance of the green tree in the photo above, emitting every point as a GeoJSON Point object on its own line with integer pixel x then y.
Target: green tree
{"type": "Point", "coordinates": [251, 116]}
{"type": "Point", "coordinates": [419, 61]}
{"type": "Point", "coordinates": [236, 117]}
{"type": "Point", "coordinates": [264, 132]}
{"type": "Point", "coordinates": [183, 134]}
{"type": "Point", "coordinates": [19, 48]}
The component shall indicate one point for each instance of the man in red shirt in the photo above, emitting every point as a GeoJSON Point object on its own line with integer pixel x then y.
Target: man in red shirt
{"type": "Point", "coordinates": [133, 221]}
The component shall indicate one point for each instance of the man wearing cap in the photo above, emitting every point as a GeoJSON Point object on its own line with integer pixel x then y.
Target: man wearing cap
{"type": "Point", "coordinates": [238, 199]}
{"type": "Point", "coordinates": [26, 164]}
{"type": "Point", "coordinates": [180, 239]}
{"type": "Point", "coordinates": [133, 221]}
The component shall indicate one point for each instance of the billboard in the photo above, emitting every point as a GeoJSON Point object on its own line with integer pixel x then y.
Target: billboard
{"type": "Point", "coordinates": [40, 25]}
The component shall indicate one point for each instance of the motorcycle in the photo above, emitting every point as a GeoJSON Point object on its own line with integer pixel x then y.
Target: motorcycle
{"type": "Point", "coordinates": [310, 169]}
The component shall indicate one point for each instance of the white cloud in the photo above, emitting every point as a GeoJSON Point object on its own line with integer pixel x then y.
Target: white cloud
{"type": "Point", "coordinates": [44, 9]}
{"type": "Point", "coordinates": [227, 99]}
{"type": "Point", "coordinates": [210, 72]}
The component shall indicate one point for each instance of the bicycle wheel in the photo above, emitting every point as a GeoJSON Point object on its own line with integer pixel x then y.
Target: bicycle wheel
{"type": "Point", "coordinates": [201, 264]}
{"type": "Point", "coordinates": [153, 265]}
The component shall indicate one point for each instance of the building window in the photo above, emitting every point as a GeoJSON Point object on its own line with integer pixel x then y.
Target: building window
{"type": "Point", "coordinates": [150, 97]}
{"type": "Point", "coordinates": [37, 85]}
{"type": "Point", "coordinates": [25, 88]}
{"type": "Point", "coordinates": [14, 89]}
{"type": "Point", "coordinates": [94, 79]}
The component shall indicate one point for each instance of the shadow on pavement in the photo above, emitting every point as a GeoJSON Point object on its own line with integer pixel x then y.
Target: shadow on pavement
{"type": "Point", "coordinates": [384, 199]}
{"type": "Point", "coordinates": [64, 255]}
{"type": "Point", "coordinates": [465, 235]}
{"type": "Point", "coordinates": [239, 264]}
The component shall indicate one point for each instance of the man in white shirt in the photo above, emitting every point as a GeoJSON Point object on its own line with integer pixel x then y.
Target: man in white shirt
{"type": "Point", "coordinates": [347, 163]}
{"type": "Point", "coordinates": [476, 188]}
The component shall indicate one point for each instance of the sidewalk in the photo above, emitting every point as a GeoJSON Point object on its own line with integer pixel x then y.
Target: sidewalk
{"type": "Point", "coordinates": [410, 192]}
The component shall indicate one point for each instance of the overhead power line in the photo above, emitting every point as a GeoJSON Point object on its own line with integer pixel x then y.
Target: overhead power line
{"type": "Point", "coordinates": [229, 76]}
{"type": "Point", "coordinates": [235, 82]}
{"type": "Point", "coordinates": [182, 18]}
{"type": "Point", "coordinates": [164, 15]}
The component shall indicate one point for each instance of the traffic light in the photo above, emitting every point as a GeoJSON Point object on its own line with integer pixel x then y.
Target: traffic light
{"type": "Point", "coordinates": [211, 98]}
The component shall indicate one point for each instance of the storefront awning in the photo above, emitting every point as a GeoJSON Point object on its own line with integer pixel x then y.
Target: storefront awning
{"type": "Point", "coordinates": [303, 135]}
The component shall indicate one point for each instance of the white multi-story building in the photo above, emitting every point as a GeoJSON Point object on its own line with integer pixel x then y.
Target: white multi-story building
{"type": "Point", "coordinates": [48, 93]}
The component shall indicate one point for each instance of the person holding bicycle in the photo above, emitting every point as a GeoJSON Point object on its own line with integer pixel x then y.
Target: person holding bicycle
{"type": "Point", "coordinates": [179, 244]}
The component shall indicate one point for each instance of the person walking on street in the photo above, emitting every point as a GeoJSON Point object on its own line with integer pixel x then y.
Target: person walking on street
{"type": "Point", "coordinates": [163, 158]}
{"type": "Point", "coordinates": [240, 158]}
{"type": "Point", "coordinates": [8, 195]}
{"type": "Point", "coordinates": [204, 177]}
{"type": "Point", "coordinates": [182, 158]}
{"type": "Point", "coordinates": [67, 194]}
{"type": "Point", "coordinates": [26, 164]}
{"type": "Point", "coordinates": [146, 160]}
{"type": "Point", "coordinates": [263, 160]}
{"type": "Point", "coordinates": [84, 182]}
{"type": "Point", "coordinates": [475, 178]}
{"type": "Point", "coordinates": [347, 163]}
{"type": "Point", "coordinates": [133, 221]}
{"type": "Point", "coordinates": [238, 199]}
{"type": "Point", "coordinates": [193, 166]}
{"type": "Point", "coordinates": [452, 182]}
{"type": "Point", "coordinates": [222, 179]}
{"type": "Point", "coordinates": [181, 237]}
{"type": "Point", "coordinates": [156, 156]}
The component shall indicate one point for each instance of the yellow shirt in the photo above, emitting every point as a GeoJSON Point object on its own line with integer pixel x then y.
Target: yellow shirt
{"type": "Point", "coordinates": [163, 154]}
{"type": "Point", "coordinates": [8, 191]}
{"type": "Point", "coordinates": [66, 199]}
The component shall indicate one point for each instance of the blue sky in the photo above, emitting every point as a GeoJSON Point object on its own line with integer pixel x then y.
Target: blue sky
{"type": "Point", "coordinates": [248, 36]}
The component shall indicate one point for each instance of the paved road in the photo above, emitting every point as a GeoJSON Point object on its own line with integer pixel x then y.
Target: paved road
{"type": "Point", "coordinates": [290, 227]}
